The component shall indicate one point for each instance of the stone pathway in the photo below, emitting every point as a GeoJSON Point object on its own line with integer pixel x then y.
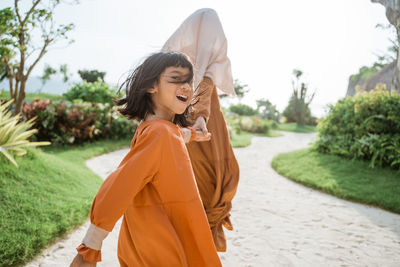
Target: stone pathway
{"type": "Point", "coordinates": [277, 222]}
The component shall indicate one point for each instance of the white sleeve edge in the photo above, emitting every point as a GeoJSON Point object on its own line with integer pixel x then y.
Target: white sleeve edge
{"type": "Point", "coordinates": [188, 134]}
{"type": "Point", "coordinates": [94, 237]}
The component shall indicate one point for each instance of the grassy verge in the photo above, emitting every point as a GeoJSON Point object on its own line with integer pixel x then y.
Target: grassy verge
{"type": "Point", "coordinates": [243, 139]}
{"type": "Point", "coordinates": [48, 195]}
{"type": "Point", "coordinates": [347, 179]}
{"type": "Point", "coordinates": [297, 128]}
{"type": "Point", "coordinates": [31, 96]}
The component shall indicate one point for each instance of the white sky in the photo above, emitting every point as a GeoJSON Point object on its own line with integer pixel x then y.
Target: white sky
{"type": "Point", "coordinates": [328, 40]}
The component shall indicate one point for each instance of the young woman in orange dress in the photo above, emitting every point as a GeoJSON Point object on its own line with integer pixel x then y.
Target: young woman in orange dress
{"type": "Point", "coordinates": [216, 170]}
{"type": "Point", "coordinates": [154, 189]}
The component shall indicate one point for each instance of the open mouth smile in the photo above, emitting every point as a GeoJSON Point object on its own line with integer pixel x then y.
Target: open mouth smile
{"type": "Point", "coordinates": [182, 98]}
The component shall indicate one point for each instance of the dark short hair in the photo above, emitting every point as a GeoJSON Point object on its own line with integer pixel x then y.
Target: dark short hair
{"type": "Point", "coordinates": [137, 101]}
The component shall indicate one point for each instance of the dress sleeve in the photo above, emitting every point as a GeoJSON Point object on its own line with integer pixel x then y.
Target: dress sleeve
{"type": "Point", "coordinates": [203, 106]}
{"type": "Point", "coordinates": [117, 192]}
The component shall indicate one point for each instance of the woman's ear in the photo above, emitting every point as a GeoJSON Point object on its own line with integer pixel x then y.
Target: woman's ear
{"type": "Point", "coordinates": [153, 89]}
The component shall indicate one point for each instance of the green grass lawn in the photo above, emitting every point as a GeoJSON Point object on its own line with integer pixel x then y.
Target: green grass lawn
{"type": "Point", "coordinates": [243, 139]}
{"type": "Point", "coordinates": [297, 128]}
{"type": "Point", "coordinates": [344, 178]}
{"type": "Point", "coordinates": [47, 196]}
{"type": "Point", "coordinates": [31, 96]}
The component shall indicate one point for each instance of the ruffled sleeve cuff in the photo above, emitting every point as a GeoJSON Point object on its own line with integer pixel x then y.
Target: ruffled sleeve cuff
{"type": "Point", "coordinates": [88, 254]}
{"type": "Point", "coordinates": [189, 134]}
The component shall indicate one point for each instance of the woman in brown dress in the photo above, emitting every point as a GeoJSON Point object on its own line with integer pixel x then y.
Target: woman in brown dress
{"type": "Point", "coordinates": [216, 170]}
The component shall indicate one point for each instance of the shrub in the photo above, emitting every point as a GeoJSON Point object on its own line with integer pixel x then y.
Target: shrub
{"type": "Point", "coordinates": [96, 92]}
{"type": "Point", "coordinates": [243, 110]}
{"type": "Point", "coordinates": [14, 134]}
{"type": "Point", "coordinates": [251, 124]}
{"type": "Point", "coordinates": [71, 123]}
{"type": "Point", "coordinates": [366, 126]}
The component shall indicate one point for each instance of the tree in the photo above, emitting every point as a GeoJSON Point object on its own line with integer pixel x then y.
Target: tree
{"type": "Point", "coordinates": [91, 76]}
{"type": "Point", "coordinates": [19, 53]}
{"type": "Point", "coordinates": [49, 71]}
{"type": "Point", "coordinates": [267, 110]}
{"type": "Point", "coordinates": [393, 15]}
{"type": "Point", "coordinates": [298, 108]}
{"type": "Point", "coordinates": [240, 89]}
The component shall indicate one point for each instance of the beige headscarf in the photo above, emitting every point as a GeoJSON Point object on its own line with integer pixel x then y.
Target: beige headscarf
{"type": "Point", "coordinates": [202, 38]}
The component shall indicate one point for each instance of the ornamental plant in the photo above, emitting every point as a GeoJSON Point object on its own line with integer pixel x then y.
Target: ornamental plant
{"type": "Point", "coordinates": [14, 134]}
{"type": "Point", "coordinates": [366, 126]}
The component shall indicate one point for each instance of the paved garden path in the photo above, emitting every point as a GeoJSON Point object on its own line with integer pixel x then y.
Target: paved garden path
{"type": "Point", "coordinates": [277, 222]}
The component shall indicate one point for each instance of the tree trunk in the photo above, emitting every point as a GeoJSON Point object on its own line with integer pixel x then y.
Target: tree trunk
{"type": "Point", "coordinates": [19, 98]}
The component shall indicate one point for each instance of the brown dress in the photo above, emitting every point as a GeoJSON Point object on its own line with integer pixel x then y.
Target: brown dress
{"type": "Point", "coordinates": [214, 164]}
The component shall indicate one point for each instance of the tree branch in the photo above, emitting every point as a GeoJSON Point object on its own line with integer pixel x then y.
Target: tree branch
{"type": "Point", "coordinates": [42, 52]}
{"type": "Point", "coordinates": [17, 12]}
{"type": "Point", "coordinates": [30, 11]}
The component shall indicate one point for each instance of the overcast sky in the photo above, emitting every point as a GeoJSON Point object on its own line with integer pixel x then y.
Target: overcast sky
{"type": "Point", "coordinates": [327, 40]}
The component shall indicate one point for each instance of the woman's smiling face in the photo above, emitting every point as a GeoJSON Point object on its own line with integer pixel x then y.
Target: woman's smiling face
{"type": "Point", "coordinates": [172, 93]}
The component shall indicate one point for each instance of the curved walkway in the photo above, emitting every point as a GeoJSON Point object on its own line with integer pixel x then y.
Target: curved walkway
{"type": "Point", "coordinates": [277, 222]}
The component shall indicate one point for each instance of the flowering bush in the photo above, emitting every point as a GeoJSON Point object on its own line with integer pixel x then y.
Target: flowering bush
{"type": "Point", "coordinates": [71, 123]}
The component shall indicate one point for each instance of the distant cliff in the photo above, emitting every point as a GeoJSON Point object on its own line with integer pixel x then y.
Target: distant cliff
{"type": "Point", "coordinates": [368, 81]}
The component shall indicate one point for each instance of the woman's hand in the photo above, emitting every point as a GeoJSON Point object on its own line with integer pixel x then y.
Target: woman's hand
{"type": "Point", "coordinates": [201, 137]}
{"type": "Point", "coordinates": [200, 125]}
{"type": "Point", "coordinates": [80, 262]}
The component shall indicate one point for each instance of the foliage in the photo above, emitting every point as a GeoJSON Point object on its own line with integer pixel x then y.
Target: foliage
{"type": "Point", "coordinates": [49, 71]}
{"type": "Point", "coordinates": [14, 134]}
{"type": "Point", "coordinates": [267, 110]}
{"type": "Point", "coordinates": [72, 123]}
{"type": "Point", "coordinates": [243, 110]}
{"type": "Point", "coordinates": [365, 72]}
{"type": "Point", "coordinates": [366, 126]}
{"type": "Point", "coordinates": [18, 44]}
{"type": "Point", "coordinates": [240, 89]}
{"type": "Point", "coordinates": [91, 76]}
{"type": "Point", "coordinates": [250, 124]}
{"type": "Point", "coordinates": [298, 108]}
{"type": "Point", "coordinates": [96, 92]}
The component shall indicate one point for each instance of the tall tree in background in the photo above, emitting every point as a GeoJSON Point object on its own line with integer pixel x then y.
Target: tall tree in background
{"type": "Point", "coordinates": [267, 110]}
{"type": "Point", "coordinates": [240, 89]}
{"type": "Point", "coordinates": [19, 53]}
{"type": "Point", "coordinates": [393, 15]}
{"type": "Point", "coordinates": [92, 76]}
{"type": "Point", "coordinates": [298, 108]}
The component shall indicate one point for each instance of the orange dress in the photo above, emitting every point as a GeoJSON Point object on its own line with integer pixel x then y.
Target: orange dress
{"type": "Point", "coordinates": [214, 163]}
{"type": "Point", "coordinates": [164, 222]}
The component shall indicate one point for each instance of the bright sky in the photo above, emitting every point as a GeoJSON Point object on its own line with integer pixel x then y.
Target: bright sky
{"type": "Point", "coordinates": [327, 40]}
